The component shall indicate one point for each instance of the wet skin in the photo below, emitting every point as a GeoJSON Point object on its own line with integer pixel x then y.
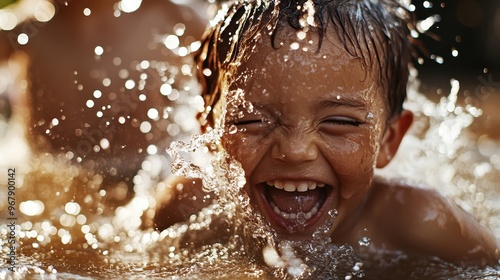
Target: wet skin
{"type": "Point", "coordinates": [319, 121]}
{"type": "Point", "coordinates": [318, 129]}
{"type": "Point", "coordinates": [321, 125]}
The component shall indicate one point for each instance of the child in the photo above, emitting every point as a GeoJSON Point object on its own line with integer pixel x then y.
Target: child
{"type": "Point", "coordinates": [323, 85]}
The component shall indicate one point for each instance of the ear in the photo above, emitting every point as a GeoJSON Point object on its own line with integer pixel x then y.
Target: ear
{"type": "Point", "coordinates": [393, 136]}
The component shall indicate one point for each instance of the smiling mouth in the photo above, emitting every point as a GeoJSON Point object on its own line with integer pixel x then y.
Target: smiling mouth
{"type": "Point", "coordinates": [295, 205]}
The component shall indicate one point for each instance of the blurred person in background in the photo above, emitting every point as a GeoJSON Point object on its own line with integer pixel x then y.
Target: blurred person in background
{"type": "Point", "coordinates": [98, 81]}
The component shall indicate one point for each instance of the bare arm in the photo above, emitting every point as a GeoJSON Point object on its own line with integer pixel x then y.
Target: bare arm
{"type": "Point", "coordinates": [180, 199]}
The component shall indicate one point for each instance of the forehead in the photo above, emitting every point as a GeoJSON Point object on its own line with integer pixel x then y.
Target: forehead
{"type": "Point", "coordinates": [296, 65]}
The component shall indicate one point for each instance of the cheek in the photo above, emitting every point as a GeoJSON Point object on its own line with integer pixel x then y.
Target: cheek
{"type": "Point", "coordinates": [242, 149]}
{"type": "Point", "coordinates": [354, 160]}
{"type": "Point", "coordinates": [232, 144]}
{"type": "Point", "coordinates": [355, 150]}
{"type": "Point", "coordinates": [359, 159]}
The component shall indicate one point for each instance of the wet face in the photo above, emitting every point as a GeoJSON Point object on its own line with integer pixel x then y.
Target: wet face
{"type": "Point", "coordinates": [309, 143]}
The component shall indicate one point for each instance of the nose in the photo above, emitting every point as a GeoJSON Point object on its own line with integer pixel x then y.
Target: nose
{"type": "Point", "coordinates": [300, 147]}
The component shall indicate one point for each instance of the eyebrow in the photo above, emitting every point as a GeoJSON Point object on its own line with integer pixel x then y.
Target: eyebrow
{"type": "Point", "coordinates": [264, 109]}
{"type": "Point", "coordinates": [337, 100]}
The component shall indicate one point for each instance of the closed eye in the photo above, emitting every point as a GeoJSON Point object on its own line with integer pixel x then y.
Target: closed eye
{"type": "Point", "coordinates": [250, 121]}
{"type": "Point", "coordinates": [341, 120]}
{"type": "Point", "coordinates": [247, 122]}
{"type": "Point", "coordinates": [252, 126]}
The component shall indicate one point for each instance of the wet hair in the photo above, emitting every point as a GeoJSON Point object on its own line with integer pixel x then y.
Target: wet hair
{"type": "Point", "coordinates": [375, 31]}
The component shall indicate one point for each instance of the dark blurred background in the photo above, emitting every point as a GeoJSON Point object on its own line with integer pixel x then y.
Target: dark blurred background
{"type": "Point", "coordinates": [472, 29]}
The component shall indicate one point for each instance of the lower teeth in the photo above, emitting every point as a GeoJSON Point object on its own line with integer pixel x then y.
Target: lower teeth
{"type": "Point", "coordinates": [300, 217]}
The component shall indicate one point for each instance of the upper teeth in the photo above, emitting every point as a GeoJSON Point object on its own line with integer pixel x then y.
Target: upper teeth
{"type": "Point", "coordinates": [292, 186]}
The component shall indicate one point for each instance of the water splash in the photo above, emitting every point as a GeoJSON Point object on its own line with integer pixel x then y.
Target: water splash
{"type": "Point", "coordinates": [72, 228]}
{"type": "Point", "coordinates": [440, 151]}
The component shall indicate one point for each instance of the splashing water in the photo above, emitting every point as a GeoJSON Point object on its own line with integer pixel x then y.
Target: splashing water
{"type": "Point", "coordinates": [66, 230]}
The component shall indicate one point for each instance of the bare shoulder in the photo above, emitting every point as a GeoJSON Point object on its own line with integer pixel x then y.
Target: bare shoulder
{"type": "Point", "coordinates": [421, 220]}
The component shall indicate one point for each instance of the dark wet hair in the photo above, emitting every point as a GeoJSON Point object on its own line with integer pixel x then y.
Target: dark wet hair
{"type": "Point", "coordinates": [375, 31]}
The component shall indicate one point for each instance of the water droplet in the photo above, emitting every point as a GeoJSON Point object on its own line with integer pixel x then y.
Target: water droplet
{"type": "Point", "coordinates": [171, 42]}
{"type": "Point", "coordinates": [97, 93]}
{"type": "Point", "coordinates": [129, 6]}
{"type": "Point", "coordinates": [104, 143]}
{"type": "Point", "coordinates": [166, 89]}
{"type": "Point", "coordinates": [72, 208]}
{"type": "Point", "coordinates": [106, 82]}
{"type": "Point", "coordinates": [8, 20]}
{"type": "Point", "coordinates": [301, 218]}
{"type": "Point", "coordinates": [183, 51]}
{"type": "Point", "coordinates": [364, 241]}
{"type": "Point", "coordinates": [153, 113]}
{"type": "Point", "coordinates": [90, 103]}
{"type": "Point", "coordinates": [152, 150]}
{"type": "Point", "coordinates": [439, 59]}
{"type": "Point", "coordinates": [98, 50]}
{"type": "Point", "coordinates": [129, 84]}
{"type": "Point", "coordinates": [333, 213]}
{"type": "Point", "coordinates": [232, 129]}
{"type": "Point", "coordinates": [179, 29]}
{"type": "Point", "coordinates": [301, 35]}
{"type": "Point", "coordinates": [44, 11]}
{"type": "Point", "coordinates": [144, 64]}
{"type": "Point", "coordinates": [186, 69]}
{"type": "Point", "coordinates": [32, 207]}
{"type": "Point", "coordinates": [207, 72]}
{"type": "Point", "coordinates": [357, 266]}
{"type": "Point", "coordinates": [22, 39]}
{"type": "Point", "coordinates": [145, 127]}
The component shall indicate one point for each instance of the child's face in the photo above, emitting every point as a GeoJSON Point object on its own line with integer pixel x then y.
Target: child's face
{"type": "Point", "coordinates": [312, 141]}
